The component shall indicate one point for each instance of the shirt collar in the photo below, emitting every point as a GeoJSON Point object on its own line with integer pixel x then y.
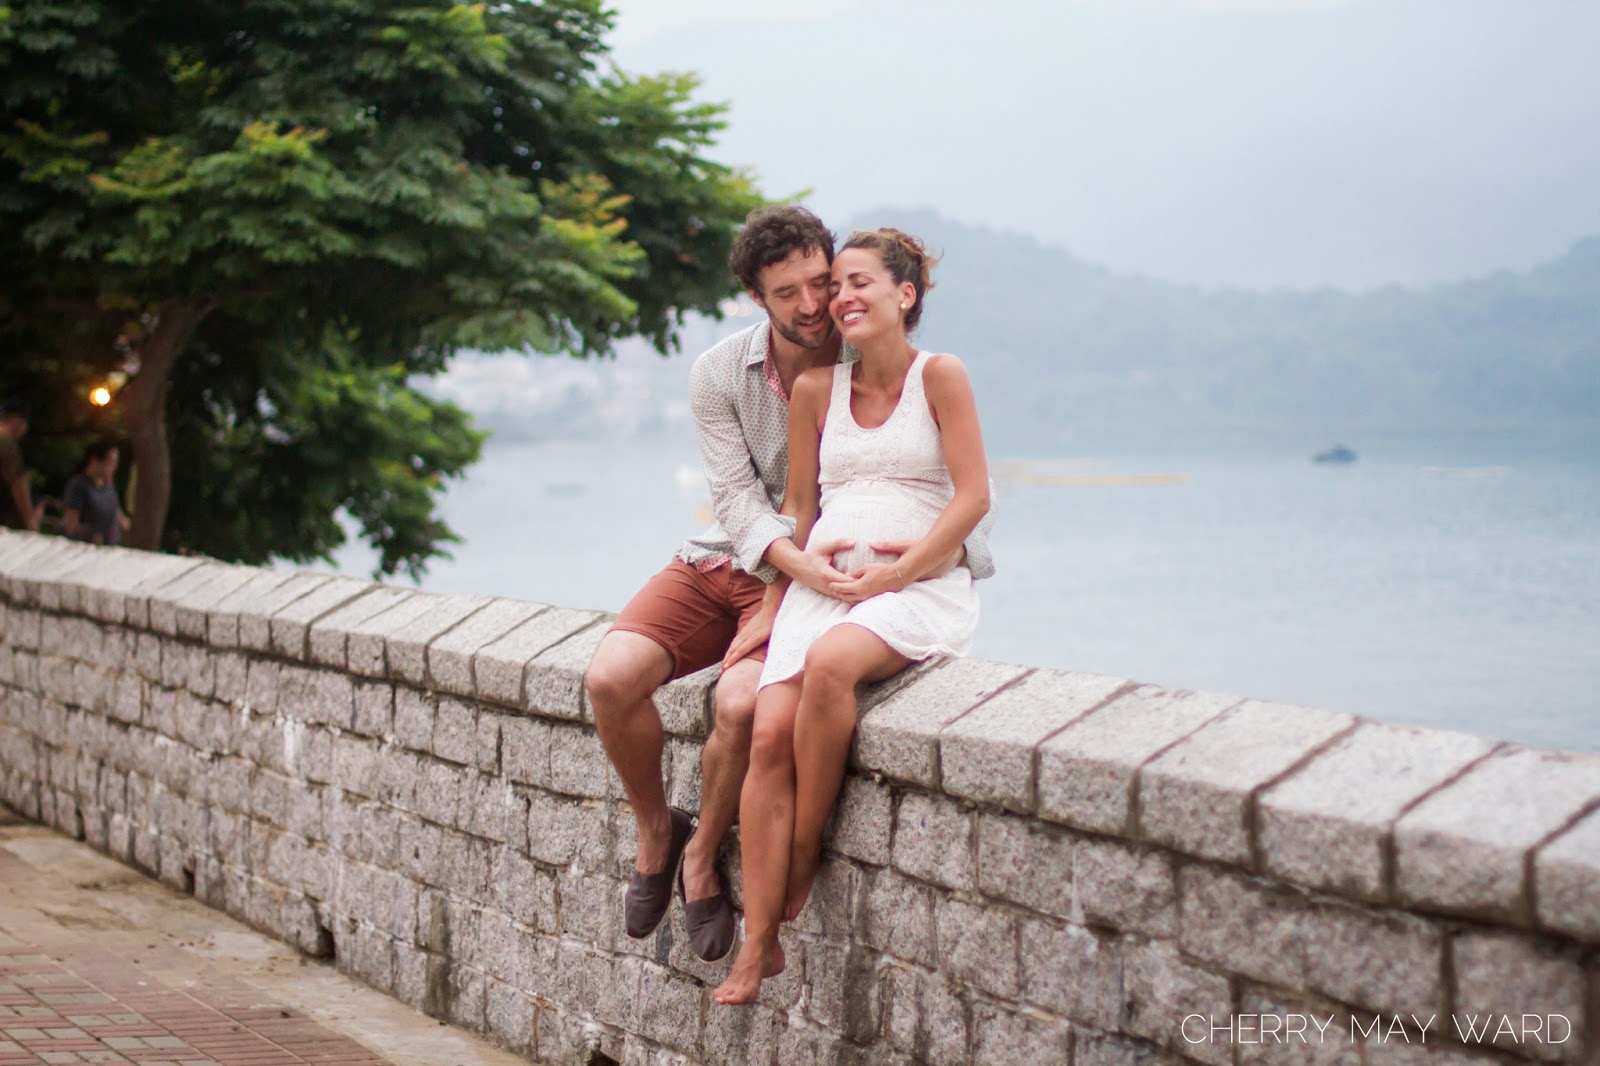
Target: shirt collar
{"type": "Point", "coordinates": [759, 345]}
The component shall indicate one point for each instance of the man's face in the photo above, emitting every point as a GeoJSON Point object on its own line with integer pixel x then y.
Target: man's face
{"type": "Point", "coordinates": [794, 294]}
{"type": "Point", "coordinates": [16, 426]}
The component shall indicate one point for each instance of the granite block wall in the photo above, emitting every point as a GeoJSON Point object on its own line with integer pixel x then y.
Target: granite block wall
{"type": "Point", "coordinates": [1027, 866]}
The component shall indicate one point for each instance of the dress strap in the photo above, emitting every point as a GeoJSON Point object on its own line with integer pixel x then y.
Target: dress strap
{"type": "Point", "coordinates": [914, 381]}
{"type": "Point", "coordinates": [838, 400]}
{"type": "Point", "coordinates": [841, 381]}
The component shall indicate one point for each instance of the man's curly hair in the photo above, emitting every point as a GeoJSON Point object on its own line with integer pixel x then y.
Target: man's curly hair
{"type": "Point", "coordinates": [773, 234]}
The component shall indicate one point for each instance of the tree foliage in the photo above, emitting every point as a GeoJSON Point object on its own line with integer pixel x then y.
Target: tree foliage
{"type": "Point", "coordinates": [275, 215]}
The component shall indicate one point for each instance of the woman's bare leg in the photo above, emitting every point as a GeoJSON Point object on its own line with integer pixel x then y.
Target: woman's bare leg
{"type": "Point", "coordinates": [766, 825]}
{"type": "Point", "coordinates": [825, 721]}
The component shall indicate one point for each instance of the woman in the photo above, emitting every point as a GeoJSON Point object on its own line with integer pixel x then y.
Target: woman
{"type": "Point", "coordinates": [885, 449]}
{"type": "Point", "coordinates": [92, 512]}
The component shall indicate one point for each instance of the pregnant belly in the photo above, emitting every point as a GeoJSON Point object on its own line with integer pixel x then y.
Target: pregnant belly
{"type": "Point", "coordinates": [870, 520]}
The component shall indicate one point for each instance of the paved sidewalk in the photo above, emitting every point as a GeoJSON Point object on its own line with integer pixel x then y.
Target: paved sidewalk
{"type": "Point", "coordinates": [101, 964]}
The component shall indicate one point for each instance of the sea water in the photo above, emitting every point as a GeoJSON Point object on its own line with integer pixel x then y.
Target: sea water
{"type": "Point", "coordinates": [1399, 587]}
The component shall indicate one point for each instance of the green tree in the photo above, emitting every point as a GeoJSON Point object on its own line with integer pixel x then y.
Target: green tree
{"type": "Point", "coordinates": [274, 216]}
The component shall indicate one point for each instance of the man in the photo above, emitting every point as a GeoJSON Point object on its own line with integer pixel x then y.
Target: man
{"type": "Point", "coordinates": [16, 498]}
{"type": "Point", "coordinates": [716, 601]}
{"type": "Point", "coordinates": [89, 505]}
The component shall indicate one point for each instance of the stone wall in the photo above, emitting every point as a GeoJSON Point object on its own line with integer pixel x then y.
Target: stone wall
{"type": "Point", "coordinates": [1028, 866]}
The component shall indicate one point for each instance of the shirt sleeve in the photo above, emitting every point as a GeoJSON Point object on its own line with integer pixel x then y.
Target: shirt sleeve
{"type": "Point", "coordinates": [76, 495]}
{"type": "Point", "coordinates": [738, 498]}
{"type": "Point", "coordinates": [980, 558]}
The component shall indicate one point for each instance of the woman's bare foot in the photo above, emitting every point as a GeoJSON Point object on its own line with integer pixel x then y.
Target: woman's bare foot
{"type": "Point", "coordinates": [755, 964]}
{"type": "Point", "coordinates": [803, 862]}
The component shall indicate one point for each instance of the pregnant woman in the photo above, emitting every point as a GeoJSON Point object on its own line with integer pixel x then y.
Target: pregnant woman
{"type": "Point", "coordinates": [883, 450]}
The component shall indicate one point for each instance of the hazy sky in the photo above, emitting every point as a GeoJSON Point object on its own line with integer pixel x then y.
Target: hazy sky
{"type": "Point", "coordinates": [1273, 142]}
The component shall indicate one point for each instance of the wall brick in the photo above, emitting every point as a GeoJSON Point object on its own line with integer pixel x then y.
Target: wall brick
{"type": "Point", "coordinates": [1071, 971]}
{"type": "Point", "coordinates": [449, 656]}
{"type": "Point", "coordinates": [289, 623]}
{"type": "Point", "coordinates": [328, 636]}
{"type": "Point", "coordinates": [863, 822]}
{"type": "Point", "coordinates": [977, 946]}
{"type": "Point", "coordinates": [1242, 925]}
{"type": "Point", "coordinates": [988, 753]}
{"type": "Point", "coordinates": [1499, 975]}
{"type": "Point", "coordinates": [1198, 796]}
{"type": "Point", "coordinates": [1328, 824]}
{"type": "Point", "coordinates": [499, 668]}
{"type": "Point", "coordinates": [933, 841]}
{"type": "Point", "coordinates": [553, 684]}
{"type": "Point", "coordinates": [1088, 771]}
{"type": "Point", "coordinates": [1070, 876]}
{"type": "Point", "coordinates": [406, 644]}
{"type": "Point", "coordinates": [1567, 880]}
{"type": "Point", "coordinates": [251, 627]}
{"type": "Point", "coordinates": [1464, 848]}
{"type": "Point", "coordinates": [1388, 963]}
{"type": "Point", "coordinates": [900, 736]}
{"type": "Point", "coordinates": [1160, 989]}
{"type": "Point", "coordinates": [927, 1018]}
{"type": "Point", "coordinates": [578, 765]}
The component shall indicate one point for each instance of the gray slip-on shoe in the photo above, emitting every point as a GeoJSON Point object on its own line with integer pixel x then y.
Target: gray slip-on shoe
{"type": "Point", "coordinates": [710, 921]}
{"type": "Point", "coordinates": [650, 894]}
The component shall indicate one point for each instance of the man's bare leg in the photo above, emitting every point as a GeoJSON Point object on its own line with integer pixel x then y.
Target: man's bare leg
{"type": "Point", "coordinates": [626, 670]}
{"type": "Point", "coordinates": [723, 763]}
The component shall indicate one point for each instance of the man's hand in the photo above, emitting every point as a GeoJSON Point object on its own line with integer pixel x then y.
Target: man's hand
{"type": "Point", "coordinates": [898, 548]}
{"type": "Point", "coordinates": [817, 571]}
{"type": "Point", "coordinates": [753, 633]}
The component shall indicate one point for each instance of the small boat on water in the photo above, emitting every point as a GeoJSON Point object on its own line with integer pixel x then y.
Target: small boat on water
{"type": "Point", "coordinates": [1336, 454]}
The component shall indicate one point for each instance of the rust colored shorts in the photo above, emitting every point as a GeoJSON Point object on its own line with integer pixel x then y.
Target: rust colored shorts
{"type": "Point", "coordinates": [692, 615]}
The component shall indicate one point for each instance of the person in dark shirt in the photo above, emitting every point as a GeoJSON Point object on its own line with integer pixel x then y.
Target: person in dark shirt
{"type": "Point", "coordinates": [16, 499]}
{"type": "Point", "coordinates": [92, 512]}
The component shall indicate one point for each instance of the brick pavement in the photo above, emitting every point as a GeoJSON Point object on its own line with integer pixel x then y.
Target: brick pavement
{"type": "Point", "coordinates": [101, 965]}
{"type": "Point", "coordinates": [51, 1012]}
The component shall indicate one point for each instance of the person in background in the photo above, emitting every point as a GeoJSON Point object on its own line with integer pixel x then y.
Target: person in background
{"type": "Point", "coordinates": [16, 498]}
{"type": "Point", "coordinates": [90, 506]}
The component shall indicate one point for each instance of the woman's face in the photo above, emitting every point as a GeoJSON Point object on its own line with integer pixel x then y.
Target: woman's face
{"type": "Point", "coordinates": [864, 300]}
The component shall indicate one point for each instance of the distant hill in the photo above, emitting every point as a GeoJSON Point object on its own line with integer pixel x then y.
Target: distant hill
{"type": "Point", "coordinates": [1066, 355]}
{"type": "Point", "coordinates": [1062, 351]}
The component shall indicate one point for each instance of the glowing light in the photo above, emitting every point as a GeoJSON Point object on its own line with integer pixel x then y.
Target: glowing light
{"type": "Point", "coordinates": [100, 396]}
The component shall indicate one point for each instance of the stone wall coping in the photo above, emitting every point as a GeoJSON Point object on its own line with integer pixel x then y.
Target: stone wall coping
{"type": "Point", "coordinates": [1436, 821]}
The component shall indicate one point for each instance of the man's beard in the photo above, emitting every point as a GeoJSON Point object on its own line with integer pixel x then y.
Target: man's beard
{"type": "Point", "coordinates": [790, 333]}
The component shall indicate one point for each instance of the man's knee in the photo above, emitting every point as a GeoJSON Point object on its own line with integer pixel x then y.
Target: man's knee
{"type": "Point", "coordinates": [625, 670]}
{"type": "Point", "coordinates": [733, 701]}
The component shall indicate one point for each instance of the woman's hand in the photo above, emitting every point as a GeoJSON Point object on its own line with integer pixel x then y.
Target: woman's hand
{"type": "Point", "coordinates": [816, 570]}
{"type": "Point", "coordinates": [898, 548]}
{"type": "Point", "coordinates": [874, 579]}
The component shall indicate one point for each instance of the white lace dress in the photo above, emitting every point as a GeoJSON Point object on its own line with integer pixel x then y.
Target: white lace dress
{"type": "Point", "coordinates": [884, 484]}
